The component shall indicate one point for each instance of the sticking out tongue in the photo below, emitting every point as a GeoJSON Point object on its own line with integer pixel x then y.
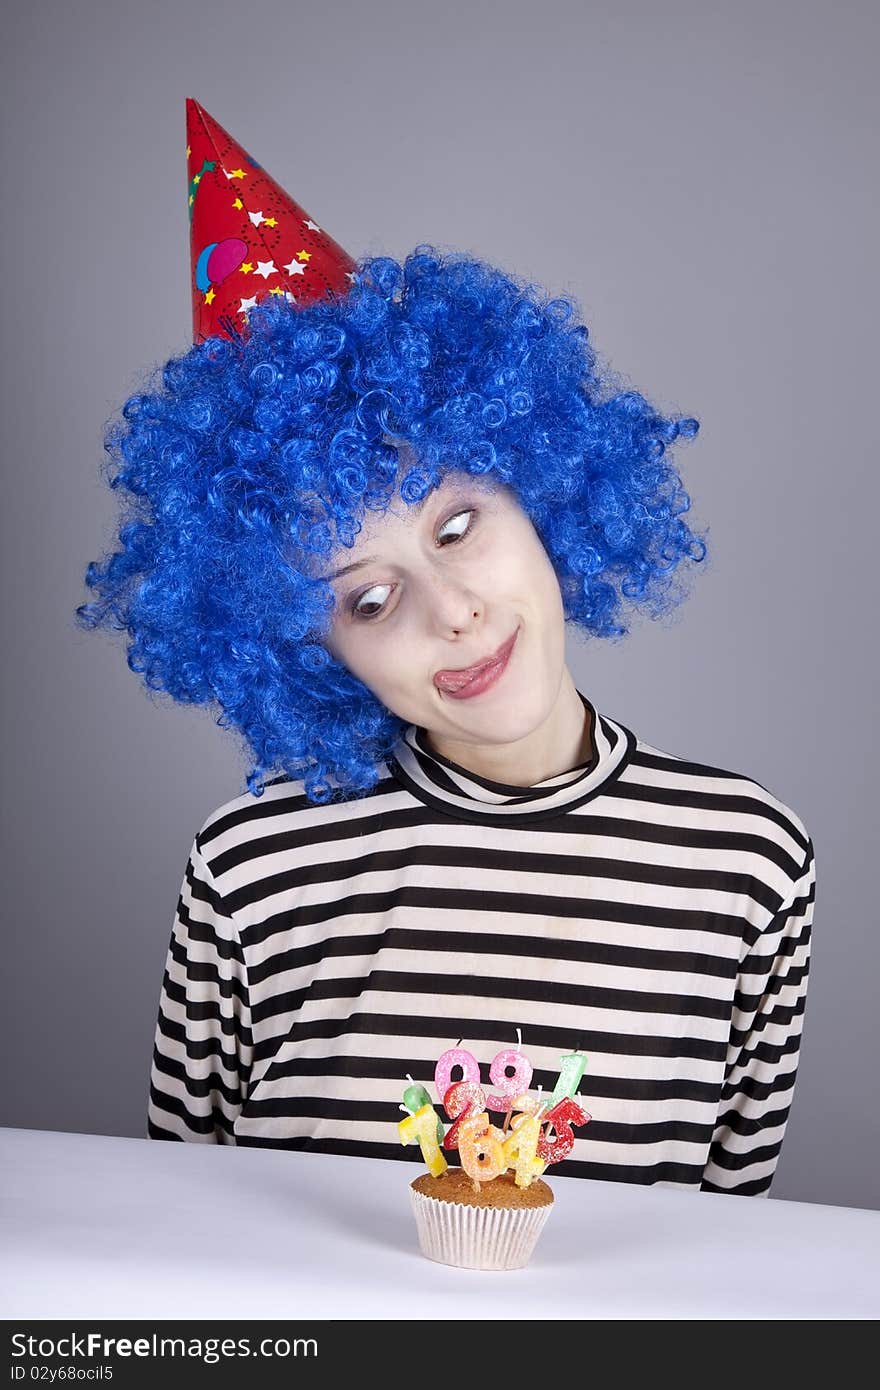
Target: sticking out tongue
{"type": "Point", "coordinates": [455, 680]}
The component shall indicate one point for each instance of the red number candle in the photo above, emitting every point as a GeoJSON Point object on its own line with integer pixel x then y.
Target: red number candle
{"type": "Point", "coordinates": [462, 1101]}
{"type": "Point", "coordinates": [560, 1119]}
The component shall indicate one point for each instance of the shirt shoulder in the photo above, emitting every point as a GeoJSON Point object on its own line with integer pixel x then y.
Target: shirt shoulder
{"type": "Point", "coordinates": [284, 808]}
{"type": "Point", "coordinates": [721, 790]}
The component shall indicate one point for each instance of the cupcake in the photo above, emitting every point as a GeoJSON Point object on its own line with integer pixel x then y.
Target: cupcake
{"type": "Point", "coordinates": [488, 1213]}
{"type": "Point", "coordinates": [496, 1227]}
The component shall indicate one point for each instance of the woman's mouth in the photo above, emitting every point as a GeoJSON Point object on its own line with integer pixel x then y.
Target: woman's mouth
{"type": "Point", "coordinates": [473, 680]}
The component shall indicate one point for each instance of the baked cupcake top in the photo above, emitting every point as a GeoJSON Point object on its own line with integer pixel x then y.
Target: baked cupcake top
{"type": "Point", "coordinates": [454, 1185]}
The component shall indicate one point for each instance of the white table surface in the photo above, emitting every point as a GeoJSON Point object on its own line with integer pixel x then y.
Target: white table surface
{"type": "Point", "coordinates": [134, 1228]}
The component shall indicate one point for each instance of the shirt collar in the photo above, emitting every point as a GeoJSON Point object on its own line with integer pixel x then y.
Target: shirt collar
{"type": "Point", "coordinates": [447, 787]}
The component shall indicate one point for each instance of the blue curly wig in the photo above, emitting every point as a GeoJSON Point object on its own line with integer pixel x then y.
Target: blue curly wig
{"type": "Point", "coordinates": [243, 470]}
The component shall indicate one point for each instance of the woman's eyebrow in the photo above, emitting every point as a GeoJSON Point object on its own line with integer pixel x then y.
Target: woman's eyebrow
{"type": "Point", "coordinates": [416, 509]}
{"type": "Point", "coordinates": [347, 569]}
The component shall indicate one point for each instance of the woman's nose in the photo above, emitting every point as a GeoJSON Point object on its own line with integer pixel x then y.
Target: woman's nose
{"type": "Point", "coordinates": [453, 606]}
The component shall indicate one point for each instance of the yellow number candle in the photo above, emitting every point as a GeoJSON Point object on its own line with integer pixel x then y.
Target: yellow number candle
{"type": "Point", "coordinates": [521, 1142]}
{"type": "Point", "coordinates": [414, 1097]}
{"type": "Point", "coordinates": [422, 1127]}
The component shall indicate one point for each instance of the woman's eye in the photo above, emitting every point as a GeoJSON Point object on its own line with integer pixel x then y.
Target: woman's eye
{"type": "Point", "coordinates": [365, 606]}
{"type": "Point", "coordinates": [368, 602]}
{"type": "Point", "coordinates": [453, 520]}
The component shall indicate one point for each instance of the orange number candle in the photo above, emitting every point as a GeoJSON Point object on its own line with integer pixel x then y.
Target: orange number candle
{"type": "Point", "coordinates": [480, 1148]}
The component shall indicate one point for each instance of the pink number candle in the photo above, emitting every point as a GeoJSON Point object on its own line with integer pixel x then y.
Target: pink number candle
{"type": "Point", "coordinates": [509, 1086]}
{"type": "Point", "coordinates": [455, 1057]}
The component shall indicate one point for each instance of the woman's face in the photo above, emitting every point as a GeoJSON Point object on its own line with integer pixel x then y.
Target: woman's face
{"type": "Point", "coordinates": [438, 587]}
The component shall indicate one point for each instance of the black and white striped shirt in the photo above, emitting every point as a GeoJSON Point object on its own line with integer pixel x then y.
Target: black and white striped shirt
{"type": "Point", "coordinates": [652, 912]}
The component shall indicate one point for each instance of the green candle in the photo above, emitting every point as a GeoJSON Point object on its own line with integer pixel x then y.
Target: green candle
{"type": "Point", "coordinates": [414, 1097]}
{"type": "Point", "coordinates": [571, 1068]}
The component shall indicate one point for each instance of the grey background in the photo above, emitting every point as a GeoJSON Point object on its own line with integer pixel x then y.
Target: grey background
{"type": "Point", "coordinates": [698, 175]}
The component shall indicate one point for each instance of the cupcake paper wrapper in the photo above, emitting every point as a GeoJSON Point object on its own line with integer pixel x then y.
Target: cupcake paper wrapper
{"type": "Point", "coordinates": [477, 1237]}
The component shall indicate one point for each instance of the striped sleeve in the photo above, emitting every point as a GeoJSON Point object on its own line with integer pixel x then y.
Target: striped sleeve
{"type": "Point", "coordinates": [764, 1045]}
{"type": "Point", "coordinates": [203, 1044]}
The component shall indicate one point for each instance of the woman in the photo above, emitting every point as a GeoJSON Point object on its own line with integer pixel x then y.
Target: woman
{"type": "Point", "coordinates": [360, 534]}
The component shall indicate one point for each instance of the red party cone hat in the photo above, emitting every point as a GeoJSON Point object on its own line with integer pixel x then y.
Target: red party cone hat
{"type": "Point", "coordinates": [248, 237]}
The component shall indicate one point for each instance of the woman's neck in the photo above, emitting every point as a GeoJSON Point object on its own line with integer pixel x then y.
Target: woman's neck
{"type": "Point", "coordinates": [562, 742]}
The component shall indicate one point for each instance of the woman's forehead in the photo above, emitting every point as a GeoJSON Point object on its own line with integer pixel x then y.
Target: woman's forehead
{"type": "Point", "coordinates": [379, 530]}
{"type": "Point", "coordinates": [453, 482]}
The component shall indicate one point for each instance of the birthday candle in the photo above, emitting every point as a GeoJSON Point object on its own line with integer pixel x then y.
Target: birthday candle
{"type": "Point", "coordinates": [455, 1057]}
{"type": "Point", "coordinates": [560, 1119]}
{"type": "Point", "coordinates": [463, 1100]}
{"type": "Point", "coordinates": [520, 1146]}
{"type": "Point", "coordinates": [509, 1086]}
{"type": "Point", "coordinates": [422, 1126]}
{"type": "Point", "coordinates": [414, 1097]}
{"type": "Point", "coordinates": [572, 1067]}
{"type": "Point", "coordinates": [480, 1148]}
{"type": "Point", "coordinates": [530, 1105]}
